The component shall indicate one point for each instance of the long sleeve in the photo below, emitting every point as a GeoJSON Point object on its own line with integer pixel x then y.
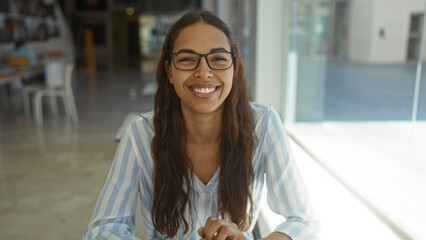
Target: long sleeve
{"type": "Point", "coordinates": [287, 195]}
{"type": "Point", "coordinates": [114, 215]}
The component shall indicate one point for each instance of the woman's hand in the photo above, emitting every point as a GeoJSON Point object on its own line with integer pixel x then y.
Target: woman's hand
{"type": "Point", "coordinates": [219, 229]}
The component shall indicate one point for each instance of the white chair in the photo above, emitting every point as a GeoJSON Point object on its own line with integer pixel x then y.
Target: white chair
{"type": "Point", "coordinates": [59, 84]}
{"type": "Point", "coordinates": [54, 78]}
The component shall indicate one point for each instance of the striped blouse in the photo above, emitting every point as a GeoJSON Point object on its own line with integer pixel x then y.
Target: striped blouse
{"type": "Point", "coordinates": [131, 179]}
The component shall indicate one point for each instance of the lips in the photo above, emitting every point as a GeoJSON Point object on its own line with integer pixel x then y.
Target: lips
{"type": "Point", "coordinates": [204, 92]}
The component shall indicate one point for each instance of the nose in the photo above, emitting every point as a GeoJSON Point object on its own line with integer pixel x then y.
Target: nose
{"type": "Point", "coordinates": [203, 70]}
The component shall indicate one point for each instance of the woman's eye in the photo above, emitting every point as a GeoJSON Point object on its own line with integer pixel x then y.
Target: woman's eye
{"type": "Point", "coordinates": [186, 60]}
{"type": "Point", "coordinates": [219, 59]}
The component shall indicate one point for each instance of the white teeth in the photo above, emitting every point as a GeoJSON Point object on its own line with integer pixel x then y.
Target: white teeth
{"type": "Point", "coordinates": [204, 90]}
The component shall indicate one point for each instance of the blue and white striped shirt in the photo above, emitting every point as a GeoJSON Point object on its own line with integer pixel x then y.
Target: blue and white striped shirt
{"type": "Point", "coordinates": [131, 177]}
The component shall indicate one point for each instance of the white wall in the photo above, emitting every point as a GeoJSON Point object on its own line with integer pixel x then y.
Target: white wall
{"type": "Point", "coordinates": [394, 17]}
{"type": "Point", "coordinates": [271, 47]}
{"type": "Point", "coordinates": [209, 5]}
{"type": "Point", "coordinates": [360, 30]}
{"type": "Point", "coordinates": [368, 17]}
{"type": "Point", "coordinates": [225, 12]}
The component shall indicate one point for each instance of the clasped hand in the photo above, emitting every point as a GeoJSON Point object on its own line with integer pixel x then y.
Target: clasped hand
{"type": "Point", "coordinates": [219, 229]}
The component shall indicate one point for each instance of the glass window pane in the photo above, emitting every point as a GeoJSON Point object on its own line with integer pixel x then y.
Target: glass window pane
{"type": "Point", "coordinates": [356, 80]}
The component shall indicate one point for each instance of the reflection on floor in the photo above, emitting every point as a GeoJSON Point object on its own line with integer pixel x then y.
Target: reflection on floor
{"type": "Point", "coordinates": [50, 177]}
{"type": "Point", "coordinates": [383, 161]}
{"type": "Point", "coordinates": [342, 215]}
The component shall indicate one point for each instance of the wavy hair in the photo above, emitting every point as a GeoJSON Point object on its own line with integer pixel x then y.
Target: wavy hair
{"type": "Point", "coordinates": [172, 166]}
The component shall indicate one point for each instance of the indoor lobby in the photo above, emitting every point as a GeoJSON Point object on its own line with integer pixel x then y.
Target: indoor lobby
{"type": "Point", "coordinates": [348, 84]}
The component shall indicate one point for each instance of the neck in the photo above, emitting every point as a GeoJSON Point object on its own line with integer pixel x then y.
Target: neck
{"type": "Point", "coordinates": [202, 129]}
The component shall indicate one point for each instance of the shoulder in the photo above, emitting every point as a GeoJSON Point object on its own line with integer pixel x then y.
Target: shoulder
{"type": "Point", "coordinates": [266, 121]}
{"type": "Point", "coordinates": [20, 52]}
{"type": "Point", "coordinates": [146, 118]}
{"type": "Point", "coordinates": [13, 52]}
{"type": "Point", "coordinates": [263, 113]}
{"type": "Point", "coordinates": [259, 107]}
{"type": "Point", "coordinates": [139, 133]}
{"type": "Point", "coordinates": [141, 124]}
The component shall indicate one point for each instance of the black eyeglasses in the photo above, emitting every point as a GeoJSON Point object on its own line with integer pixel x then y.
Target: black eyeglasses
{"type": "Point", "coordinates": [187, 61]}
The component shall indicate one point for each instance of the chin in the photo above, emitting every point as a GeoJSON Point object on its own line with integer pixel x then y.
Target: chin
{"type": "Point", "coordinates": [206, 109]}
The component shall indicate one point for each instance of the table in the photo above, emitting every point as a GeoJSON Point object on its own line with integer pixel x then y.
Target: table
{"type": "Point", "coordinates": [9, 73]}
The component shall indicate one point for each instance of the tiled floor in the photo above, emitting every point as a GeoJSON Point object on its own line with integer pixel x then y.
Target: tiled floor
{"type": "Point", "coordinates": [50, 177]}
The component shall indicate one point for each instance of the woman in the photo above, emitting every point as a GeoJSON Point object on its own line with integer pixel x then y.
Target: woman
{"type": "Point", "coordinates": [198, 162]}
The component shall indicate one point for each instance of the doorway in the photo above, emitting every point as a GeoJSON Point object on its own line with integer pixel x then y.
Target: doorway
{"type": "Point", "coordinates": [338, 45]}
{"type": "Point", "coordinates": [414, 37]}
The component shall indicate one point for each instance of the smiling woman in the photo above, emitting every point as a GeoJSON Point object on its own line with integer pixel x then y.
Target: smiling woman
{"type": "Point", "coordinates": [198, 81]}
{"type": "Point", "coordinates": [199, 161]}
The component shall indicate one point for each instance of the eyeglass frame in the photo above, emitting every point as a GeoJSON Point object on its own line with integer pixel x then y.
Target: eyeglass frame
{"type": "Point", "coordinates": [172, 56]}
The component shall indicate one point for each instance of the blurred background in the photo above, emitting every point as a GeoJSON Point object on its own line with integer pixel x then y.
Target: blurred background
{"type": "Point", "coordinates": [346, 77]}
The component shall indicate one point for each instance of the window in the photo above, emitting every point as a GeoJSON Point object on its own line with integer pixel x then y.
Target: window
{"type": "Point", "coordinates": [360, 100]}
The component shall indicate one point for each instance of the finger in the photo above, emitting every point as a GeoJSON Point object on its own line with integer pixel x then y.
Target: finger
{"type": "Point", "coordinates": [224, 233]}
{"type": "Point", "coordinates": [212, 227]}
{"type": "Point", "coordinates": [230, 231]}
{"type": "Point", "coordinates": [201, 231]}
{"type": "Point", "coordinates": [215, 227]}
{"type": "Point", "coordinates": [209, 221]}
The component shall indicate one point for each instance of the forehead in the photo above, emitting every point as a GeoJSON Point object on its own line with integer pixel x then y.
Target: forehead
{"type": "Point", "coordinates": [201, 37]}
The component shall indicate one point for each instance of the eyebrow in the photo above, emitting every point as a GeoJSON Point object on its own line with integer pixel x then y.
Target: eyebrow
{"type": "Point", "coordinates": [213, 50]}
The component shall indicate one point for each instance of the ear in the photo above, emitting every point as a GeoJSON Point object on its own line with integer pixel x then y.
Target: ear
{"type": "Point", "coordinates": [169, 72]}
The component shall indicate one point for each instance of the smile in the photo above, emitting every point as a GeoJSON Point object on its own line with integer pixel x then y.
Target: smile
{"type": "Point", "coordinates": [204, 91]}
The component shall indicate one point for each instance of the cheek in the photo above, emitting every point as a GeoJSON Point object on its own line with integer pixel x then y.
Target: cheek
{"type": "Point", "coordinates": [179, 77]}
{"type": "Point", "coordinates": [230, 78]}
{"type": "Point", "coordinates": [172, 76]}
{"type": "Point", "coordinates": [228, 84]}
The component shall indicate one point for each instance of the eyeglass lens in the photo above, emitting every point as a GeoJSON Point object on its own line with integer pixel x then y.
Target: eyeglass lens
{"type": "Point", "coordinates": [190, 61]}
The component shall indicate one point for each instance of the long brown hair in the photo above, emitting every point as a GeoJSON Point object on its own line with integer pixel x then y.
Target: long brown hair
{"type": "Point", "coordinates": [171, 162]}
